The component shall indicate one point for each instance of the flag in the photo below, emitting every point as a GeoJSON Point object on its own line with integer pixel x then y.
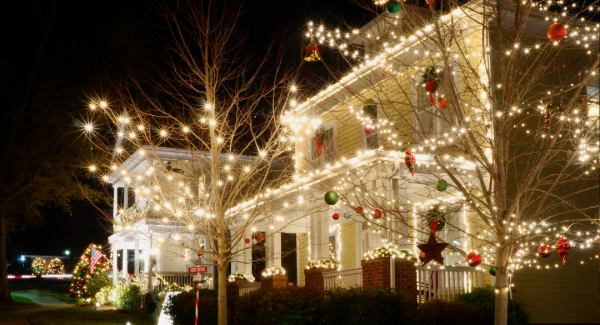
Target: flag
{"type": "Point", "coordinates": [95, 257]}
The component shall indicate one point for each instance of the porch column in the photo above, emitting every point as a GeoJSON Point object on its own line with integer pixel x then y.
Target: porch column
{"type": "Point", "coordinates": [116, 199]}
{"type": "Point", "coordinates": [125, 196]}
{"type": "Point", "coordinates": [401, 198]}
{"type": "Point", "coordinates": [319, 235]}
{"type": "Point", "coordinates": [136, 267]}
{"type": "Point", "coordinates": [115, 263]}
{"type": "Point", "coordinates": [125, 274]}
{"type": "Point", "coordinates": [276, 240]}
{"type": "Point", "coordinates": [245, 265]}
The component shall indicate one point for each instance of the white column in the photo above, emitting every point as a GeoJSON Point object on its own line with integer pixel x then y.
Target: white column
{"type": "Point", "coordinates": [125, 261]}
{"type": "Point", "coordinates": [114, 262]}
{"type": "Point", "coordinates": [246, 265]}
{"type": "Point", "coordinates": [319, 235]}
{"type": "Point", "coordinates": [116, 199]}
{"type": "Point", "coordinates": [277, 249]}
{"type": "Point", "coordinates": [136, 268]}
{"type": "Point", "coordinates": [125, 196]}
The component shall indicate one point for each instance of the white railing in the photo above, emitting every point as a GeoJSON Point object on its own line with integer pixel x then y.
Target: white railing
{"type": "Point", "coordinates": [435, 282]}
{"type": "Point", "coordinates": [181, 279]}
{"type": "Point", "coordinates": [345, 279]}
{"type": "Point", "coordinates": [248, 287]}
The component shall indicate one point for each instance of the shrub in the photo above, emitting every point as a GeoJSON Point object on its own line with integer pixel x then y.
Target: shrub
{"type": "Point", "coordinates": [439, 312]}
{"type": "Point", "coordinates": [103, 295]}
{"type": "Point", "coordinates": [150, 302]}
{"type": "Point", "coordinates": [126, 296]}
{"type": "Point", "coordinates": [182, 307]}
{"type": "Point", "coordinates": [484, 299]}
{"type": "Point", "coordinates": [97, 281]}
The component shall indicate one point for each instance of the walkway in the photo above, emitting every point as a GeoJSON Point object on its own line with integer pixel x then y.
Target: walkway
{"type": "Point", "coordinates": [21, 317]}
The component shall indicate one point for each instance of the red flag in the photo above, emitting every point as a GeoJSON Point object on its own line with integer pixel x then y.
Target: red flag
{"type": "Point", "coordinates": [94, 258]}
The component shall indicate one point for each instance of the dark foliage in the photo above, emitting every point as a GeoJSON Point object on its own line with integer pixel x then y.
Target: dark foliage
{"type": "Point", "coordinates": [484, 299]}
{"type": "Point", "coordinates": [439, 312]}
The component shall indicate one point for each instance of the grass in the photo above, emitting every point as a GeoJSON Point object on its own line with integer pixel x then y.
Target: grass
{"type": "Point", "coordinates": [80, 316]}
{"type": "Point", "coordinates": [18, 303]}
{"type": "Point", "coordinates": [57, 293]}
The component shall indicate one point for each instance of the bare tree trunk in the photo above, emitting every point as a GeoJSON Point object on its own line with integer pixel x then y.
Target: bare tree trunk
{"type": "Point", "coordinates": [4, 288]}
{"type": "Point", "coordinates": [222, 294]}
{"type": "Point", "coordinates": [501, 304]}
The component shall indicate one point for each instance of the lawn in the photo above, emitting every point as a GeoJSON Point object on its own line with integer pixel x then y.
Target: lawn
{"type": "Point", "coordinates": [58, 293]}
{"type": "Point", "coordinates": [80, 316]}
{"type": "Point", "coordinates": [18, 303]}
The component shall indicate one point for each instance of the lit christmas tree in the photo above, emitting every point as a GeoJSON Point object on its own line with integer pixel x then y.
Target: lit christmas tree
{"type": "Point", "coordinates": [55, 267]}
{"type": "Point", "coordinates": [38, 266]}
{"type": "Point", "coordinates": [81, 274]}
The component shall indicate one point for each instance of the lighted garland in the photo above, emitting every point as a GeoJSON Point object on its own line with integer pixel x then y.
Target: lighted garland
{"type": "Point", "coordinates": [38, 266]}
{"type": "Point", "coordinates": [273, 271]}
{"type": "Point", "coordinates": [55, 267]}
{"type": "Point", "coordinates": [82, 273]}
{"type": "Point", "coordinates": [331, 263]}
{"type": "Point", "coordinates": [387, 251]}
{"type": "Point", "coordinates": [240, 277]}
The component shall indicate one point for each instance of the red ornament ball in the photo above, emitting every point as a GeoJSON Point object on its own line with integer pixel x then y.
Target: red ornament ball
{"type": "Point", "coordinates": [261, 238]}
{"type": "Point", "coordinates": [199, 255]}
{"type": "Point", "coordinates": [359, 209]}
{"type": "Point", "coordinates": [544, 251]}
{"type": "Point", "coordinates": [556, 32]}
{"type": "Point", "coordinates": [378, 213]}
{"type": "Point", "coordinates": [247, 240]}
{"type": "Point", "coordinates": [336, 216]}
{"type": "Point", "coordinates": [473, 259]}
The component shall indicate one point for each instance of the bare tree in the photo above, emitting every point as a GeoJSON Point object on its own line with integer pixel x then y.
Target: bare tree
{"type": "Point", "coordinates": [216, 107]}
{"type": "Point", "coordinates": [499, 123]}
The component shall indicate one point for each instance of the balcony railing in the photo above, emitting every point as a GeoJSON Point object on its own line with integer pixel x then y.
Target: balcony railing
{"type": "Point", "coordinates": [345, 279]}
{"type": "Point", "coordinates": [435, 282]}
{"type": "Point", "coordinates": [182, 279]}
{"type": "Point", "coordinates": [248, 287]}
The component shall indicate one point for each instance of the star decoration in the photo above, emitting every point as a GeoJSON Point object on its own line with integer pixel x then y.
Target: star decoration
{"type": "Point", "coordinates": [432, 251]}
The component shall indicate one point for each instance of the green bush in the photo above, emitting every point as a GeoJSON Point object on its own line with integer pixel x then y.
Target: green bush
{"type": "Point", "coordinates": [182, 307]}
{"type": "Point", "coordinates": [98, 281]}
{"type": "Point", "coordinates": [484, 299]}
{"type": "Point", "coordinates": [127, 296]}
{"type": "Point", "coordinates": [439, 312]}
{"type": "Point", "coordinates": [150, 302]}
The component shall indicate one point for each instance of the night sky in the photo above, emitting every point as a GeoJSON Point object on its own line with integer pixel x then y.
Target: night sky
{"type": "Point", "coordinates": [92, 44]}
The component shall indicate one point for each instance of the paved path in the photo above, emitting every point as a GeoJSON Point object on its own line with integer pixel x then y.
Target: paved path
{"type": "Point", "coordinates": [21, 317]}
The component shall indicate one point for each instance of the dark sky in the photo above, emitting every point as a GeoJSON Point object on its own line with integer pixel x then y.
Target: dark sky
{"type": "Point", "coordinates": [93, 42]}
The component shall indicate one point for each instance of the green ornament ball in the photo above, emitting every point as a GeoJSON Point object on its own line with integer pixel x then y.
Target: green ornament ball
{"type": "Point", "coordinates": [392, 7]}
{"type": "Point", "coordinates": [492, 270]}
{"type": "Point", "coordinates": [441, 185]}
{"type": "Point", "coordinates": [331, 197]}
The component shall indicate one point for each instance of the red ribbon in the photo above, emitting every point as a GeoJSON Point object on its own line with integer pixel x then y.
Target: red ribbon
{"type": "Point", "coordinates": [433, 225]}
{"type": "Point", "coordinates": [367, 130]}
{"type": "Point", "coordinates": [319, 146]}
{"type": "Point", "coordinates": [430, 85]}
{"type": "Point", "coordinates": [311, 48]}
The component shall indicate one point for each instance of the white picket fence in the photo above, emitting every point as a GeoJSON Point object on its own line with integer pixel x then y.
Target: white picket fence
{"type": "Point", "coordinates": [346, 279]}
{"type": "Point", "coordinates": [436, 282]}
{"type": "Point", "coordinates": [248, 287]}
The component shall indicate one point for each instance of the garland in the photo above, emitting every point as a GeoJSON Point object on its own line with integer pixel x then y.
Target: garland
{"type": "Point", "coordinates": [241, 277]}
{"type": "Point", "coordinates": [387, 251]}
{"type": "Point", "coordinates": [273, 271]}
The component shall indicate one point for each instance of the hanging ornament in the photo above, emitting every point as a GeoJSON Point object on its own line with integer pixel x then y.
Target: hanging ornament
{"type": "Point", "coordinates": [556, 105]}
{"type": "Point", "coordinates": [247, 240]}
{"type": "Point", "coordinates": [563, 247]}
{"type": "Point", "coordinates": [331, 197]}
{"type": "Point", "coordinates": [432, 251]}
{"type": "Point", "coordinates": [436, 213]}
{"type": "Point", "coordinates": [311, 51]}
{"type": "Point", "coordinates": [261, 238]}
{"type": "Point", "coordinates": [473, 259]}
{"type": "Point", "coordinates": [430, 3]}
{"type": "Point", "coordinates": [547, 118]}
{"type": "Point", "coordinates": [431, 79]}
{"type": "Point", "coordinates": [378, 213]}
{"type": "Point", "coordinates": [335, 216]}
{"type": "Point", "coordinates": [442, 103]}
{"type": "Point", "coordinates": [434, 226]}
{"type": "Point", "coordinates": [441, 185]}
{"type": "Point", "coordinates": [544, 251]}
{"type": "Point", "coordinates": [556, 32]}
{"type": "Point", "coordinates": [359, 209]}
{"type": "Point", "coordinates": [392, 7]}
{"type": "Point", "coordinates": [421, 257]}
{"type": "Point", "coordinates": [410, 161]}
{"type": "Point", "coordinates": [199, 255]}
{"type": "Point", "coordinates": [492, 270]}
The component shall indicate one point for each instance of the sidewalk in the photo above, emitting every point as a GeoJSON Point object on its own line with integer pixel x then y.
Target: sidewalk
{"type": "Point", "coordinates": [21, 317]}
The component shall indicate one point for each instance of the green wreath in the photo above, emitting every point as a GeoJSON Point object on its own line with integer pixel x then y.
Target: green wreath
{"type": "Point", "coordinates": [437, 213]}
{"type": "Point", "coordinates": [431, 75]}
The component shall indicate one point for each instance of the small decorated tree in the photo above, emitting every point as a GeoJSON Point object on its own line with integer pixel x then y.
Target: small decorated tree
{"type": "Point", "coordinates": [38, 266]}
{"type": "Point", "coordinates": [55, 267]}
{"type": "Point", "coordinates": [80, 283]}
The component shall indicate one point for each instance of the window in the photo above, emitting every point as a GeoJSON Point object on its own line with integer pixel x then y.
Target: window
{"type": "Point", "coordinates": [370, 132]}
{"type": "Point", "coordinates": [432, 121]}
{"type": "Point", "coordinates": [323, 144]}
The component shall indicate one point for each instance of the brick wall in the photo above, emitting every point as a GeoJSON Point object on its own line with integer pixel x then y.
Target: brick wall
{"type": "Point", "coordinates": [275, 281]}
{"type": "Point", "coordinates": [376, 273]}
{"type": "Point", "coordinates": [233, 287]}
{"type": "Point", "coordinates": [313, 278]}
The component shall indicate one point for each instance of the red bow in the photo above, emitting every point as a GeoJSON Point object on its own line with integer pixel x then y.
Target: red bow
{"type": "Point", "coordinates": [319, 146]}
{"type": "Point", "coordinates": [430, 85]}
{"type": "Point", "coordinates": [311, 48]}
